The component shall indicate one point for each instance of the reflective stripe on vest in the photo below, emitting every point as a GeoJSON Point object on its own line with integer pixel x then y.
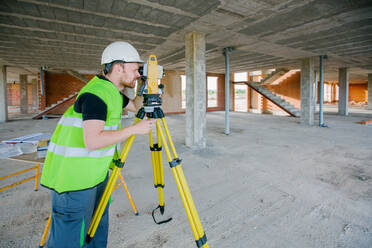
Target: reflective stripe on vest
{"type": "Point", "coordinates": [79, 152]}
{"type": "Point", "coordinates": [78, 122]}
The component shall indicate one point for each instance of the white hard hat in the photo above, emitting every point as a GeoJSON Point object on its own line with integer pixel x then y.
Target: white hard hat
{"type": "Point", "coordinates": [120, 50]}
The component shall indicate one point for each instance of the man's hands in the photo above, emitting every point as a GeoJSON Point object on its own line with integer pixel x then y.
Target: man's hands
{"type": "Point", "coordinates": [143, 126]}
{"type": "Point", "coordinates": [95, 137]}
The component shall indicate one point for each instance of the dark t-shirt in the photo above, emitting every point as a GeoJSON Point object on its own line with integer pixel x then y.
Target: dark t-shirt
{"type": "Point", "coordinates": [92, 107]}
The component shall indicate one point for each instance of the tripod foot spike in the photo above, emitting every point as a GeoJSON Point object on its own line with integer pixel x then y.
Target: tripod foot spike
{"type": "Point", "coordinates": [202, 241]}
{"type": "Point", "coordinates": [162, 212]}
{"type": "Point", "coordinates": [88, 239]}
{"type": "Point", "coordinates": [136, 214]}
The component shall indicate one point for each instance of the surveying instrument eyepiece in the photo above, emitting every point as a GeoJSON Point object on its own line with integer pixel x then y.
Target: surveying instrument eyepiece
{"type": "Point", "coordinates": [152, 73]}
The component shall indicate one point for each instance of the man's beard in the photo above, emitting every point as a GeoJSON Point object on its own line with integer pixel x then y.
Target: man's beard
{"type": "Point", "coordinates": [130, 85]}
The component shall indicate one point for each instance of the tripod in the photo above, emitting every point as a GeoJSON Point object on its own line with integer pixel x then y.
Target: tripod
{"type": "Point", "coordinates": [152, 109]}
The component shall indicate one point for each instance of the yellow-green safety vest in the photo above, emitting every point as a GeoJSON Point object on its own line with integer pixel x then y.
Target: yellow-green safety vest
{"type": "Point", "coordinates": [68, 165]}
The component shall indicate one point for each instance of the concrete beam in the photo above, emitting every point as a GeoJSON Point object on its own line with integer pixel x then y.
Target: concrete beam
{"type": "Point", "coordinates": [195, 90]}
{"type": "Point", "coordinates": [3, 96]}
{"type": "Point", "coordinates": [343, 96]}
{"type": "Point", "coordinates": [307, 91]}
{"type": "Point", "coordinates": [85, 11]}
{"type": "Point", "coordinates": [370, 91]}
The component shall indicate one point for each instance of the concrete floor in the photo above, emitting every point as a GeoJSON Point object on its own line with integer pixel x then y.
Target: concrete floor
{"type": "Point", "coordinates": [271, 183]}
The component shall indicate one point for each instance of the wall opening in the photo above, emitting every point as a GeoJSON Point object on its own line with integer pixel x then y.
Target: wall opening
{"type": "Point", "coordinates": [240, 92]}
{"type": "Point", "coordinates": [240, 76]}
{"type": "Point", "coordinates": [241, 98]}
{"type": "Point", "coordinates": [212, 91]}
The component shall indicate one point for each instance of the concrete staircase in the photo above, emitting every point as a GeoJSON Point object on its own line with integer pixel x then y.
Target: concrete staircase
{"type": "Point", "coordinates": [283, 77]}
{"type": "Point", "coordinates": [54, 106]}
{"type": "Point", "coordinates": [274, 76]}
{"type": "Point", "coordinates": [277, 100]}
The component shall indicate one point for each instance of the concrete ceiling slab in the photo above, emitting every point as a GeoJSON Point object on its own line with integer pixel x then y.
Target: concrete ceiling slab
{"type": "Point", "coordinates": [71, 34]}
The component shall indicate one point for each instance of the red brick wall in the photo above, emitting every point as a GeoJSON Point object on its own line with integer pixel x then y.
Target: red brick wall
{"type": "Point", "coordinates": [358, 92]}
{"type": "Point", "coordinates": [13, 94]}
{"type": "Point", "coordinates": [58, 86]}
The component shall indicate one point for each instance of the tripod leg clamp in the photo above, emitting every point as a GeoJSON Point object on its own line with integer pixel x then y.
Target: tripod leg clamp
{"type": "Point", "coordinates": [141, 113]}
{"type": "Point", "coordinates": [118, 163]}
{"type": "Point", "coordinates": [202, 241]}
{"type": "Point", "coordinates": [155, 148]}
{"type": "Point", "coordinates": [175, 162]}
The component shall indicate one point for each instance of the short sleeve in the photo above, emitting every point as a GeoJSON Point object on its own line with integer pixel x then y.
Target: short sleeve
{"type": "Point", "coordinates": [91, 106]}
{"type": "Point", "coordinates": [125, 100]}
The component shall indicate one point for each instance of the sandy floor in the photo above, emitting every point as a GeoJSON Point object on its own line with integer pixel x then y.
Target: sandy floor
{"type": "Point", "coordinates": [271, 183]}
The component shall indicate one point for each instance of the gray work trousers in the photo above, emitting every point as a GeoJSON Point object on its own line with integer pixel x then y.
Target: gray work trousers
{"type": "Point", "coordinates": [71, 215]}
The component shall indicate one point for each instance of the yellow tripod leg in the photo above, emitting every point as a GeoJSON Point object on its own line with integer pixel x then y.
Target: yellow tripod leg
{"type": "Point", "coordinates": [45, 233]}
{"type": "Point", "coordinates": [128, 194]}
{"type": "Point", "coordinates": [109, 188]}
{"type": "Point", "coordinates": [153, 159]}
{"type": "Point", "coordinates": [160, 172]}
{"type": "Point", "coordinates": [102, 204]}
{"type": "Point", "coordinates": [196, 227]}
{"type": "Point", "coordinates": [181, 176]}
{"type": "Point", "coordinates": [158, 175]}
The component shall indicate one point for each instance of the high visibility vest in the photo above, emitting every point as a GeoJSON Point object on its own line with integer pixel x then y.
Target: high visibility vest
{"type": "Point", "coordinates": [68, 165]}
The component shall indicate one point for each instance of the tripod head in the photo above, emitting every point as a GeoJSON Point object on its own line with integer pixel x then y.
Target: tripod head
{"type": "Point", "coordinates": [151, 74]}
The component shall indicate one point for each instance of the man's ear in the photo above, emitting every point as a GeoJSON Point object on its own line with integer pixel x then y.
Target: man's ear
{"type": "Point", "coordinates": [117, 67]}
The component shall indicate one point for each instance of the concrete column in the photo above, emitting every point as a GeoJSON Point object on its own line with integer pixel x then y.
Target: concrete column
{"type": "Point", "coordinates": [370, 91]}
{"type": "Point", "coordinates": [23, 93]}
{"type": "Point", "coordinates": [3, 96]}
{"type": "Point", "coordinates": [195, 90]}
{"type": "Point", "coordinates": [34, 94]}
{"type": "Point", "coordinates": [315, 94]}
{"type": "Point", "coordinates": [343, 95]}
{"type": "Point", "coordinates": [307, 91]}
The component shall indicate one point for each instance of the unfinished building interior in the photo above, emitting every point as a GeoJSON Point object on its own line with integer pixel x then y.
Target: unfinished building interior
{"type": "Point", "coordinates": [269, 104]}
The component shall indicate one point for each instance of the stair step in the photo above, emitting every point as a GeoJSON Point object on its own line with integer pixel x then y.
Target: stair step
{"type": "Point", "coordinates": [276, 99]}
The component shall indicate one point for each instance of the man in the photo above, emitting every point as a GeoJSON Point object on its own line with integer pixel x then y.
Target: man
{"type": "Point", "coordinates": [83, 145]}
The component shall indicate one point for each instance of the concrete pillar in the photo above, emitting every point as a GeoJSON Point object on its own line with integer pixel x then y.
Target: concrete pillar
{"type": "Point", "coordinates": [370, 91]}
{"type": "Point", "coordinates": [343, 95]}
{"type": "Point", "coordinates": [34, 94]}
{"type": "Point", "coordinates": [315, 94]}
{"type": "Point", "coordinates": [23, 93]}
{"type": "Point", "coordinates": [307, 91]}
{"type": "Point", "coordinates": [195, 90]}
{"type": "Point", "coordinates": [3, 96]}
